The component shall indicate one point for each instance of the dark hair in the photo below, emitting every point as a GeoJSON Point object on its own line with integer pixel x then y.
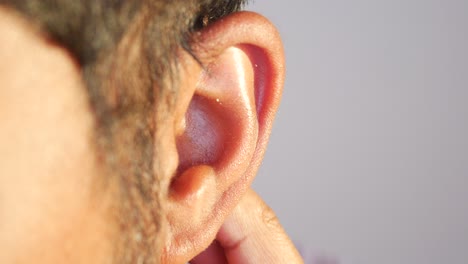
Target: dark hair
{"type": "Point", "coordinates": [127, 53]}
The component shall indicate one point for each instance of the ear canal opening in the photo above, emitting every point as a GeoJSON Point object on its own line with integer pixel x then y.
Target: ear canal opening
{"type": "Point", "coordinates": [221, 125]}
{"type": "Point", "coordinates": [203, 139]}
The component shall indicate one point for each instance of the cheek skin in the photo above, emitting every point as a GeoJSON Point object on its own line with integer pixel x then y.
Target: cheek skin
{"type": "Point", "coordinates": [50, 209]}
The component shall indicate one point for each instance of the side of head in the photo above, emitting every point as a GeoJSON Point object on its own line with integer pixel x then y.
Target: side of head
{"type": "Point", "coordinates": [129, 129]}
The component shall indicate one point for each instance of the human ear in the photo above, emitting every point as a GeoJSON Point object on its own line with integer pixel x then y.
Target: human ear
{"type": "Point", "coordinates": [222, 125]}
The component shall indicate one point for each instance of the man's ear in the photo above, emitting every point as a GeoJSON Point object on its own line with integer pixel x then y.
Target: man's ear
{"type": "Point", "coordinates": [223, 119]}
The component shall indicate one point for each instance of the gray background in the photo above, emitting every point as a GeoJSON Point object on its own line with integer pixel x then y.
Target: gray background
{"type": "Point", "coordinates": [368, 160]}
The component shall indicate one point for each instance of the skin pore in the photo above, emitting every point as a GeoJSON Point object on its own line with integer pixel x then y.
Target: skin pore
{"type": "Point", "coordinates": [60, 203]}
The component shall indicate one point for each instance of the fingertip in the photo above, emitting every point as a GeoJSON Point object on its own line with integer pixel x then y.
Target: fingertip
{"type": "Point", "coordinates": [253, 234]}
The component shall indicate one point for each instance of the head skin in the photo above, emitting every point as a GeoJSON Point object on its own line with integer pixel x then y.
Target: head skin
{"type": "Point", "coordinates": [129, 129]}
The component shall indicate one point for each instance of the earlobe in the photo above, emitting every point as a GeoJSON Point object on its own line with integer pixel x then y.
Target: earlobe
{"type": "Point", "coordinates": [225, 127]}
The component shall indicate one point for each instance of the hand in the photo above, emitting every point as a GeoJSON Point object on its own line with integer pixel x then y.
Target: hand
{"type": "Point", "coordinates": [252, 234]}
